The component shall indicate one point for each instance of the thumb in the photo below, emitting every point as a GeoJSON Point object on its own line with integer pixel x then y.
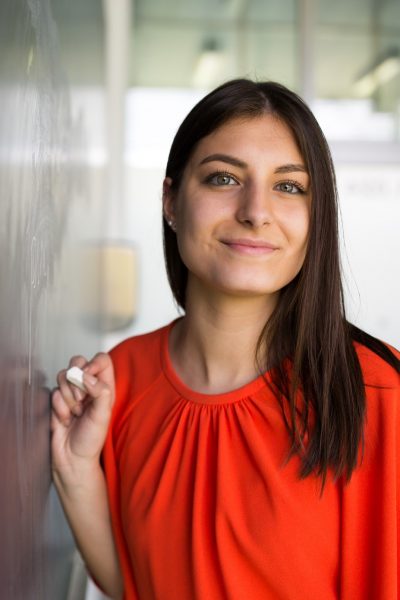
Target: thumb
{"type": "Point", "coordinates": [102, 395]}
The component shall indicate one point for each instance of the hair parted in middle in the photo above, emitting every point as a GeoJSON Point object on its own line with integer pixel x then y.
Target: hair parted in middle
{"type": "Point", "coordinates": [308, 327]}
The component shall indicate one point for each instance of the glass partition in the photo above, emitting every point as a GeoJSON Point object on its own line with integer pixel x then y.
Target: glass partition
{"type": "Point", "coordinates": [52, 207]}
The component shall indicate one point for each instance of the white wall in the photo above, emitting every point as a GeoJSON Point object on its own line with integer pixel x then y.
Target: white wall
{"type": "Point", "coordinates": [370, 207]}
{"type": "Point", "coordinates": [143, 226]}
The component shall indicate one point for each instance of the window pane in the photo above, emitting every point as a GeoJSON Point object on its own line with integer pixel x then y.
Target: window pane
{"type": "Point", "coordinates": [357, 57]}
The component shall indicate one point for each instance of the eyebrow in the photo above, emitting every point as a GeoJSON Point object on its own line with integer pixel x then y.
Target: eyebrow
{"type": "Point", "coordinates": [291, 168]}
{"type": "Point", "coordinates": [231, 160]}
{"type": "Point", "coordinates": [224, 158]}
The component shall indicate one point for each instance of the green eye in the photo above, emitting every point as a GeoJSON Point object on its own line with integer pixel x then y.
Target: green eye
{"type": "Point", "coordinates": [221, 179]}
{"type": "Point", "coordinates": [291, 187]}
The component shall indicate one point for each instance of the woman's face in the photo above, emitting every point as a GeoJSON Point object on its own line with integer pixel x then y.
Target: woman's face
{"type": "Point", "coordinates": [242, 211]}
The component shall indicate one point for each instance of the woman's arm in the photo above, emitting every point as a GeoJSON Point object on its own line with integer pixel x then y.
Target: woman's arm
{"type": "Point", "coordinates": [84, 500]}
{"type": "Point", "coordinates": [79, 427]}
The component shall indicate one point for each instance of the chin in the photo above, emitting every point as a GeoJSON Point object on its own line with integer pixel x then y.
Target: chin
{"type": "Point", "coordinates": [247, 289]}
{"type": "Point", "coordinates": [239, 283]}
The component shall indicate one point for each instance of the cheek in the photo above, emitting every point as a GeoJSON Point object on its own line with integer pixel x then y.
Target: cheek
{"type": "Point", "coordinates": [295, 224]}
{"type": "Point", "coordinates": [192, 221]}
{"type": "Point", "coordinates": [199, 216]}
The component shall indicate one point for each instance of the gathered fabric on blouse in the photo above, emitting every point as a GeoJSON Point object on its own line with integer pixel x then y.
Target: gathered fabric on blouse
{"type": "Point", "coordinates": [204, 507]}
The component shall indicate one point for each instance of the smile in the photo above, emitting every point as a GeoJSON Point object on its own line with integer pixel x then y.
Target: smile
{"type": "Point", "coordinates": [250, 247]}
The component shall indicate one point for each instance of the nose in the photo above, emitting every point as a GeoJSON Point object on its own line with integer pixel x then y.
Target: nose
{"type": "Point", "coordinates": [255, 208]}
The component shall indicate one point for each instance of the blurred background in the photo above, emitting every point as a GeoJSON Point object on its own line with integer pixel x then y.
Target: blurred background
{"type": "Point", "coordinates": [91, 94]}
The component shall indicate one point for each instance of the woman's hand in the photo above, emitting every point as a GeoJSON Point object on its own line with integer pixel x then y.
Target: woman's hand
{"type": "Point", "coordinates": [79, 424]}
{"type": "Point", "coordinates": [79, 420]}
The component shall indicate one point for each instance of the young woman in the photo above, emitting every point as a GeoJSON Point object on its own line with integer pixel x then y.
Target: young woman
{"type": "Point", "coordinates": [250, 449]}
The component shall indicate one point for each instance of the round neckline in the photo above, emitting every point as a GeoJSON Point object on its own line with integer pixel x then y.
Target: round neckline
{"type": "Point", "coordinates": [189, 394]}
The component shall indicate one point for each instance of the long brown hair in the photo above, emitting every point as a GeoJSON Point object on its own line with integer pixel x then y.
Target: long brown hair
{"type": "Point", "coordinates": [308, 327]}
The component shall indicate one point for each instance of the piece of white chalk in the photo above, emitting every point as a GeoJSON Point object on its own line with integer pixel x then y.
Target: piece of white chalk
{"type": "Point", "coordinates": [75, 376]}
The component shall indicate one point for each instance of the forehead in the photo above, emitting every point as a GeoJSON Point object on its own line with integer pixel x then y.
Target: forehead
{"type": "Point", "coordinates": [262, 135]}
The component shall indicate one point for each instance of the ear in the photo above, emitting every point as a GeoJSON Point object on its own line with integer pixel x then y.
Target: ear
{"type": "Point", "coordinates": [168, 200]}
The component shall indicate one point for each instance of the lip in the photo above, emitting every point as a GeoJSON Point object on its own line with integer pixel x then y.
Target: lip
{"type": "Point", "coordinates": [249, 246]}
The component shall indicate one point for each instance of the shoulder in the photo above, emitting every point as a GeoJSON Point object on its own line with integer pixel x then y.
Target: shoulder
{"type": "Point", "coordinates": [377, 372]}
{"type": "Point", "coordinates": [138, 348]}
{"type": "Point", "coordinates": [382, 423]}
{"type": "Point", "coordinates": [137, 363]}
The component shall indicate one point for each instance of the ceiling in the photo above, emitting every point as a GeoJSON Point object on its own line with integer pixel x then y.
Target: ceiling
{"type": "Point", "coordinates": [256, 38]}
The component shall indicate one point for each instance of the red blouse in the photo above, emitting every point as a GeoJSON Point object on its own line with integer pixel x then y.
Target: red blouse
{"type": "Point", "coordinates": [203, 508]}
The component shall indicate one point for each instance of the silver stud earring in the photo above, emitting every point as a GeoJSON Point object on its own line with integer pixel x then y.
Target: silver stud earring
{"type": "Point", "coordinates": [172, 224]}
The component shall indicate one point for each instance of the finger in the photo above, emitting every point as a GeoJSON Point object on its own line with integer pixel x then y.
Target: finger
{"type": "Point", "coordinates": [101, 366]}
{"type": "Point", "coordinates": [54, 422]}
{"type": "Point", "coordinates": [79, 394]}
{"type": "Point", "coordinates": [98, 363]}
{"type": "Point", "coordinates": [61, 409]}
{"type": "Point", "coordinates": [57, 427]}
{"type": "Point", "coordinates": [67, 392]}
{"type": "Point", "coordinates": [81, 362]}
{"type": "Point", "coordinates": [78, 361]}
{"type": "Point", "coordinates": [101, 394]}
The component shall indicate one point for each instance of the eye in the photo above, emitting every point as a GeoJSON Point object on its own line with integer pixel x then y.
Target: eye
{"type": "Point", "coordinates": [221, 178]}
{"type": "Point", "coordinates": [290, 187]}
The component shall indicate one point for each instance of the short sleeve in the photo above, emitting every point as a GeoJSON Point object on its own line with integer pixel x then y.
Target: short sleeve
{"type": "Point", "coordinates": [370, 541]}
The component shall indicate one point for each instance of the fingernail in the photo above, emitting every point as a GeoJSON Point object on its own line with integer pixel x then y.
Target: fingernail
{"type": "Point", "coordinates": [89, 379]}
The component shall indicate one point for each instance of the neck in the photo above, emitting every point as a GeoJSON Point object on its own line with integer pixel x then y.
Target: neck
{"type": "Point", "coordinates": [213, 346]}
